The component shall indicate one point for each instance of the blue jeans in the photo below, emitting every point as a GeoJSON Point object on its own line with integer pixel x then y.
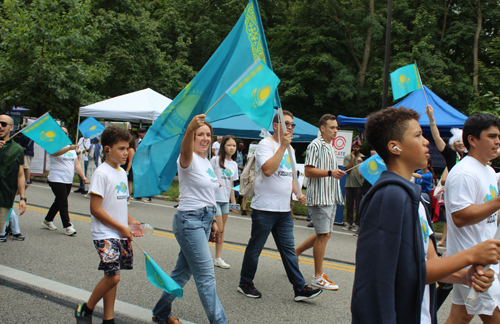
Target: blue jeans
{"type": "Point", "coordinates": [192, 229]}
{"type": "Point", "coordinates": [281, 225]}
{"type": "Point", "coordinates": [84, 167]}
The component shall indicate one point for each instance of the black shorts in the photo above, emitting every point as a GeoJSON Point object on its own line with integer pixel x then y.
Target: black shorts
{"type": "Point", "coordinates": [115, 255]}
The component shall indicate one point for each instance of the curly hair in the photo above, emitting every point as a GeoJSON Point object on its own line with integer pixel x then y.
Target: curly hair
{"type": "Point", "coordinates": [113, 134]}
{"type": "Point", "coordinates": [388, 125]}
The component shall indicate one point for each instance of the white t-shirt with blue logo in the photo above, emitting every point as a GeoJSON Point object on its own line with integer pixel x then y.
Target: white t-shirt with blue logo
{"type": "Point", "coordinates": [469, 183]}
{"type": "Point", "coordinates": [62, 167]}
{"type": "Point", "coordinates": [425, 315]}
{"type": "Point", "coordinates": [226, 177]}
{"type": "Point", "coordinates": [197, 184]}
{"type": "Point", "coordinates": [112, 185]}
{"type": "Point", "coordinates": [272, 193]}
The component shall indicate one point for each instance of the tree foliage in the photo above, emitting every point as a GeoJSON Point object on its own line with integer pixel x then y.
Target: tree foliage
{"type": "Point", "coordinates": [329, 54]}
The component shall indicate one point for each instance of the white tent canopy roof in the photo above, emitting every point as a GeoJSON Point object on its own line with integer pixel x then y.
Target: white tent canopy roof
{"type": "Point", "coordinates": [142, 106]}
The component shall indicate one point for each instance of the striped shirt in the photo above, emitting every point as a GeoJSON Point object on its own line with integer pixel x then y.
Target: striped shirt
{"type": "Point", "coordinates": [320, 191]}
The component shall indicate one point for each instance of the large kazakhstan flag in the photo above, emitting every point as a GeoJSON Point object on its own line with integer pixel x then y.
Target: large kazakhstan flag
{"type": "Point", "coordinates": [154, 163]}
{"type": "Point", "coordinates": [405, 80]}
{"type": "Point", "coordinates": [47, 133]}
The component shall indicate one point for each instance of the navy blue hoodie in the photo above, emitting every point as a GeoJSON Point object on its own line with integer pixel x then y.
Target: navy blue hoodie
{"type": "Point", "coordinates": [390, 274]}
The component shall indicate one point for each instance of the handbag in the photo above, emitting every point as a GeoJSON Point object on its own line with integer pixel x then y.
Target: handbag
{"type": "Point", "coordinates": [439, 192]}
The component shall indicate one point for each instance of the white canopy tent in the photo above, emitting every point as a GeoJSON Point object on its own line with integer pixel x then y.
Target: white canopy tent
{"type": "Point", "coordinates": [142, 106]}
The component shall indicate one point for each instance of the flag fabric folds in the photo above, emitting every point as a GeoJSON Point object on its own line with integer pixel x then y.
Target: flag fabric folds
{"type": "Point", "coordinates": [154, 164]}
{"type": "Point", "coordinates": [405, 80]}
{"type": "Point", "coordinates": [372, 168]}
{"type": "Point", "coordinates": [254, 93]}
{"type": "Point", "coordinates": [160, 279]}
{"type": "Point", "coordinates": [47, 133]}
{"type": "Point", "coordinates": [90, 127]}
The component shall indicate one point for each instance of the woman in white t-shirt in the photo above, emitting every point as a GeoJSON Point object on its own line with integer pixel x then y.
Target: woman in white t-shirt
{"type": "Point", "coordinates": [192, 224]}
{"type": "Point", "coordinates": [62, 170]}
{"type": "Point", "coordinates": [227, 172]}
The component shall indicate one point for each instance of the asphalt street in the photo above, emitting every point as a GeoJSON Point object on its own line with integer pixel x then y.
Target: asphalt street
{"type": "Point", "coordinates": [43, 277]}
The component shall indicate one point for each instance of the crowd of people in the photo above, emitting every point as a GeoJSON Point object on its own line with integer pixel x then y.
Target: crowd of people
{"type": "Point", "coordinates": [397, 261]}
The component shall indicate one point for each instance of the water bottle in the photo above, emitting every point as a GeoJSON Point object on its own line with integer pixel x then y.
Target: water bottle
{"type": "Point", "coordinates": [142, 230]}
{"type": "Point", "coordinates": [235, 206]}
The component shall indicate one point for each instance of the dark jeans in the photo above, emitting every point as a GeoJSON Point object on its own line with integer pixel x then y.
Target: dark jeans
{"type": "Point", "coordinates": [84, 166]}
{"type": "Point", "coordinates": [353, 194]}
{"type": "Point", "coordinates": [60, 204]}
{"type": "Point", "coordinates": [281, 225]}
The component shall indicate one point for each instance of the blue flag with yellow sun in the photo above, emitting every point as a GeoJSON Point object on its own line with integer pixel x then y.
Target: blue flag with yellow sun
{"type": "Point", "coordinates": [160, 279]}
{"type": "Point", "coordinates": [90, 127]}
{"type": "Point", "coordinates": [154, 163]}
{"type": "Point", "coordinates": [405, 80]}
{"type": "Point", "coordinates": [47, 133]}
{"type": "Point", "coordinates": [372, 168]}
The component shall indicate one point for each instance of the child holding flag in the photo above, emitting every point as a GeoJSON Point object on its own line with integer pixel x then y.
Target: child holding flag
{"type": "Point", "coordinates": [396, 260]}
{"type": "Point", "coordinates": [109, 224]}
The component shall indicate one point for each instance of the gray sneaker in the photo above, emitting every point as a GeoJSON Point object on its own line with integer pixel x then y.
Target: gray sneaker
{"type": "Point", "coordinates": [347, 227]}
{"type": "Point", "coordinates": [49, 225]}
{"type": "Point", "coordinates": [355, 228]}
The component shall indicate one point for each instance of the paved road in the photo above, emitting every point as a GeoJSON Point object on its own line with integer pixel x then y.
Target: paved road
{"type": "Point", "coordinates": [42, 278]}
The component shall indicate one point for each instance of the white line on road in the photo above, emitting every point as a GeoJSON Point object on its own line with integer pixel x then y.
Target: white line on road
{"type": "Point", "coordinates": [125, 308]}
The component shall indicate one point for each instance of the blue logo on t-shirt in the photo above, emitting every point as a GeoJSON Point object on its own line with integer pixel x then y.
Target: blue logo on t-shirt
{"type": "Point", "coordinates": [211, 173]}
{"type": "Point", "coordinates": [69, 154]}
{"type": "Point", "coordinates": [493, 194]}
{"type": "Point", "coordinates": [227, 172]}
{"type": "Point", "coordinates": [122, 187]}
{"type": "Point", "coordinates": [285, 162]}
{"type": "Point", "coordinates": [425, 229]}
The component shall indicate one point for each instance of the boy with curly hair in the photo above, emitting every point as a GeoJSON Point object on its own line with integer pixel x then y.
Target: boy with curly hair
{"type": "Point", "coordinates": [396, 260]}
{"type": "Point", "coordinates": [109, 225]}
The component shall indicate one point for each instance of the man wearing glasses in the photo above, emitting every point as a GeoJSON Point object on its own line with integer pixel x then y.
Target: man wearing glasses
{"type": "Point", "coordinates": [11, 171]}
{"type": "Point", "coordinates": [271, 211]}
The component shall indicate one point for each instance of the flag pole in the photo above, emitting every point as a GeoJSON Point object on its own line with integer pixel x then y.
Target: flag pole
{"type": "Point", "coordinates": [235, 83]}
{"type": "Point", "coordinates": [289, 150]}
{"type": "Point", "coordinates": [420, 79]}
{"type": "Point", "coordinates": [354, 167]}
{"type": "Point", "coordinates": [138, 246]}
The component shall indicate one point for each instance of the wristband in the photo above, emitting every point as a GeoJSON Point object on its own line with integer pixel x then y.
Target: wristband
{"type": "Point", "coordinates": [329, 173]}
{"type": "Point", "coordinates": [25, 199]}
{"type": "Point", "coordinates": [214, 221]}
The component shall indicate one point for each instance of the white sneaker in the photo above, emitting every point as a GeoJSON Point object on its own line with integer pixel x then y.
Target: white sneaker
{"type": "Point", "coordinates": [70, 230]}
{"type": "Point", "coordinates": [347, 227]}
{"type": "Point", "coordinates": [128, 202]}
{"type": "Point", "coordinates": [87, 196]}
{"type": "Point", "coordinates": [355, 228]}
{"type": "Point", "coordinates": [221, 264]}
{"type": "Point", "coordinates": [324, 283]}
{"type": "Point", "coordinates": [49, 225]}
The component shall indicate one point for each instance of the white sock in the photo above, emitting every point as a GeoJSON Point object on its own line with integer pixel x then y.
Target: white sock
{"type": "Point", "coordinates": [218, 259]}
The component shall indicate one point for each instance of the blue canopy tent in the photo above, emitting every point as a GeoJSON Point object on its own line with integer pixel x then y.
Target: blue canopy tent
{"type": "Point", "coordinates": [242, 127]}
{"type": "Point", "coordinates": [445, 115]}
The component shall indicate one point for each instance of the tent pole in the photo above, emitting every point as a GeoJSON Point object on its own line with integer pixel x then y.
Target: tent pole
{"type": "Point", "coordinates": [76, 139]}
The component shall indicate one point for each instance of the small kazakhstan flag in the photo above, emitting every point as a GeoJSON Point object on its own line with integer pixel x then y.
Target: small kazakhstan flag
{"type": "Point", "coordinates": [254, 91]}
{"type": "Point", "coordinates": [47, 133]}
{"type": "Point", "coordinates": [160, 279]}
{"type": "Point", "coordinates": [90, 127]}
{"type": "Point", "coordinates": [372, 168]}
{"type": "Point", "coordinates": [405, 80]}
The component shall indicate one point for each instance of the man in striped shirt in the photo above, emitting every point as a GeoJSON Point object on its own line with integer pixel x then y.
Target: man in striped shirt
{"type": "Point", "coordinates": [323, 173]}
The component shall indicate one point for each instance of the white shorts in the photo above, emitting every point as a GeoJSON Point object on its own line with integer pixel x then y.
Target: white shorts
{"type": "Point", "coordinates": [27, 161]}
{"type": "Point", "coordinates": [485, 303]}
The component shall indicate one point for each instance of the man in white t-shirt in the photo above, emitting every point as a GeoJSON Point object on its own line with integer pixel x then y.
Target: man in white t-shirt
{"type": "Point", "coordinates": [472, 202]}
{"type": "Point", "coordinates": [271, 211]}
{"type": "Point", "coordinates": [216, 146]}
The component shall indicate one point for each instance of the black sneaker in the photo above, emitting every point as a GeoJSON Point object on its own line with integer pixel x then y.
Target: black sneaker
{"type": "Point", "coordinates": [310, 224]}
{"type": "Point", "coordinates": [19, 237]}
{"type": "Point", "coordinates": [307, 293]}
{"type": "Point", "coordinates": [249, 291]}
{"type": "Point", "coordinates": [81, 316]}
{"type": "Point", "coordinates": [3, 238]}
{"type": "Point", "coordinates": [79, 190]}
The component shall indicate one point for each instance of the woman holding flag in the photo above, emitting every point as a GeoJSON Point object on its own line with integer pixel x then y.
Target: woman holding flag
{"type": "Point", "coordinates": [62, 170]}
{"type": "Point", "coordinates": [192, 224]}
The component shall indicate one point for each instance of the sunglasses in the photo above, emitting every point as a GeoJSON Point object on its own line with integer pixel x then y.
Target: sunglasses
{"type": "Point", "coordinates": [288, 124]}
{"type": "Point", "coordinates": [4, 124]}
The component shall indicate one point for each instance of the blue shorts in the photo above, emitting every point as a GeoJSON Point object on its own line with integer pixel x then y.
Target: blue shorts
{"type": "Point", "coordinates": [115, 255]}
{"type": "Point", "coordinates": [222, 209]}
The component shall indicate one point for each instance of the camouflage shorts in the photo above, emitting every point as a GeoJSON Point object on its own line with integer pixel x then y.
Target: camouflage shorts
{"type": "Point", "coordinates": [115, 255]}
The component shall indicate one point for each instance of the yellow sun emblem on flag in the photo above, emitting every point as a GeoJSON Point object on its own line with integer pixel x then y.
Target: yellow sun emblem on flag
{"type": "Point", "coordinates": [47, 136]}
{"type": "Point", "coordinates": [372, 168]}
{"type": "Point", "coordinates": [260, 96]}
{"type": "Point", "coordinates": [92, 128]}
{"type": "Point", "coordinates": [403, 81]}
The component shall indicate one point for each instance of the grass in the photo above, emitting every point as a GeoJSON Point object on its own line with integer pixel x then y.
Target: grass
{"type": "Point", "coordinates": [173, 191]}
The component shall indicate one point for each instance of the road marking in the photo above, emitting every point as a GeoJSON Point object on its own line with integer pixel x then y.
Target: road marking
{"type": "Point", "coordinates": [269, 254]}
{"type": "Point", "coordinates": [122, 307]}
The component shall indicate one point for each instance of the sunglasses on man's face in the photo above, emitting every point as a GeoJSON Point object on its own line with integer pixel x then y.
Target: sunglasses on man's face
{"type": "Point", "coordinates": [4, 124]}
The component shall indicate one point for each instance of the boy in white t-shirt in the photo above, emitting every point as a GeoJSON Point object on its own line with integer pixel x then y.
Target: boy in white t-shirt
{"type": "Point", "coordinates": [472, 203]}
{"type": "Point", "coordinates": [109, 224]}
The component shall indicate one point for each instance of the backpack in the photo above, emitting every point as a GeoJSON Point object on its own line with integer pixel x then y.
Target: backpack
{"type": "Point", "coordinates": [248, 176]}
